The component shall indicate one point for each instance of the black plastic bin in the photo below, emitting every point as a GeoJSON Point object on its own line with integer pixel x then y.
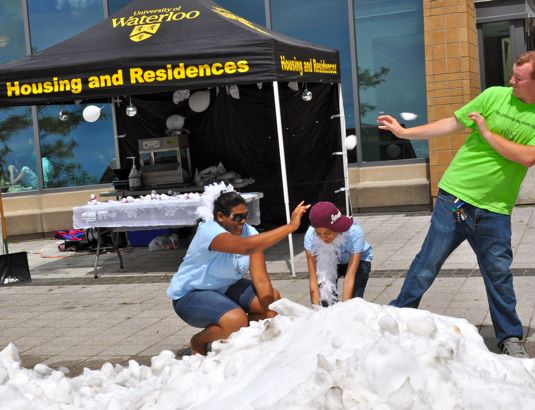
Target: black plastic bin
{"type": "Point", "coordinates": [14, 266]}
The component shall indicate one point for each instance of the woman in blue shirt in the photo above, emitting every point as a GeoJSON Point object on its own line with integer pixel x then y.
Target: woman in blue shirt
{"type": "Point", "coordinates": [335, 247]}
{"type": "Point", "coordinates": [209, 290]}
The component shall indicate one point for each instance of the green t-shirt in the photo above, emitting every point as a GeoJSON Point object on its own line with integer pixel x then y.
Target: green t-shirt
{"type": "Point", "coordinates": [478, 174]}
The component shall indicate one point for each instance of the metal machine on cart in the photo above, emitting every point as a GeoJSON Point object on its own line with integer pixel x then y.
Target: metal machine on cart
{"type": "Point", "coordinates": [165, 160]}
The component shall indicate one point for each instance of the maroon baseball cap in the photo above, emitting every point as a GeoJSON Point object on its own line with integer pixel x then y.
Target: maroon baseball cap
{"type": "Point", "coordinates": [327, 215]}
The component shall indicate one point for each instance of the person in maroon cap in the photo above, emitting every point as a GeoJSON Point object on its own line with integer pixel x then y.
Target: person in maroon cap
{"type": "Point", "coordinates": [335, 247]}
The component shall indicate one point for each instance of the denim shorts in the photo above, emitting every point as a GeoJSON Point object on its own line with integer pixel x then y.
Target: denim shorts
{"type": "Point", "coordinates": [202, 308]}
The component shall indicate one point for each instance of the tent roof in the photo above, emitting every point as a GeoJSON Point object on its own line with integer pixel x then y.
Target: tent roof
{"type": "Point", "coordinates": [162, 45]}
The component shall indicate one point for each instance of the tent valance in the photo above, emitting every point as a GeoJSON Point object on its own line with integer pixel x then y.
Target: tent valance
{"type": "Point", "coordinates": [162, 45]}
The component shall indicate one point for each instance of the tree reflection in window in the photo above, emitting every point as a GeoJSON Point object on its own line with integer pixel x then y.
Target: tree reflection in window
{"type": "Point", "coordinates": [16, 149]}
{"type": "Point", "coordinates": [63, 170]}
{"type": "Point", "coordinates": [72, 146]}
{"type": "Point", "coordinates": [367, 79]}
{"type": "Point", "coordinates": [73, 152]}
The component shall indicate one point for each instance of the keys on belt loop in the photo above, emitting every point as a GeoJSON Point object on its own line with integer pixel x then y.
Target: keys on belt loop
{"type": "Point", "coordinates": [458, 210]}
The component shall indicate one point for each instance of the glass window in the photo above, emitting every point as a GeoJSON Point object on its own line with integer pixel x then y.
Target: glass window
{"type": "Point", "coordinates": [323, 22]}
{"type": "Point", "coordinates": [75, 152]}
{"type": "Point", "coordinates": [17, 158]}
{"type": "Point", "coordinates": [54, 21]}
{"type": "Point", "coordinates": [498, 53]}
{"type": "Point", "coordinates": [391, 74]}
{"type": "Point", "coordinates": [116, 5]}
{"type": "Point", "coordinates": [12, 44]}
{"type": "Point", "coordinates": [252, 10]}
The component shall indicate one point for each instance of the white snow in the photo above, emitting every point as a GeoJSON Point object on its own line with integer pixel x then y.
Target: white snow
{"type": "Point", "coordinates": [408, 116]}
{"type": "Point", "coordinates": [353, 355]}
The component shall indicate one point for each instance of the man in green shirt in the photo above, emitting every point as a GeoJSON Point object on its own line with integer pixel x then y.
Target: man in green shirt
{"type": "Point", "coordinates": [477, 194]}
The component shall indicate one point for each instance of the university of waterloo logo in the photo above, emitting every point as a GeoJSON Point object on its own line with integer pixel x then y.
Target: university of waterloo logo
{"type": "Point", "coordinates": [146, 23]}
{"type": "Point", "coordinates": [140, 33]}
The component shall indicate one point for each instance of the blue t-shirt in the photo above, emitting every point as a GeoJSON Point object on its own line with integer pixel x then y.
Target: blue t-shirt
{"type": "Point", "coordinates": [354, 242]}
{"type": "Point", "coordinates": [203, 269]}
{"type": "Point", "coordinates": [47, 170]}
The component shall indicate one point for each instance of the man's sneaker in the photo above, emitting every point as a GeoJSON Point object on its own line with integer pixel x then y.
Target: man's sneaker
{"type": "Point", "coordinates": [513, 346]}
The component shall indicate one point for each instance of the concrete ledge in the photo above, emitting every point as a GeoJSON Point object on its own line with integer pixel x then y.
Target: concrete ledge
{"type": "Point", "coordinates": [390, 193]}
{"type": "Point", "coordinates": [390, 186]}
{"type": "Point", "coordinates": [18, 223]}
{"type": "Point", "coordinates": [39, 214]}
{"type": "Point", "coordinates": [404, 183]}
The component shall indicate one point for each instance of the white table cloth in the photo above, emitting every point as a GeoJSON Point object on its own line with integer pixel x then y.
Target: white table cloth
{"type": "Point", "coordinates": [147, 214]}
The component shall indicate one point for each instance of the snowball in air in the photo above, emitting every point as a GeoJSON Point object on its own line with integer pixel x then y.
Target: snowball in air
{"type": "Point", "coordinates": [408, 116]}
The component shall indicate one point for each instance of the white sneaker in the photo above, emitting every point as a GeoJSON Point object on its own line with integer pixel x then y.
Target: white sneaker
{"type": "Point", "coordinates": [513, 346]}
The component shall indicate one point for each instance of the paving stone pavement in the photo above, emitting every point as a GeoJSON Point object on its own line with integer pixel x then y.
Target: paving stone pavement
{"type": "Point", "coordinates": [66, 318]}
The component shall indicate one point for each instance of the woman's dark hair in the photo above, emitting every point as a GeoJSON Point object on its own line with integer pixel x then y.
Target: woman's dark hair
{"type": "Point", "coordinates": [226, 201]}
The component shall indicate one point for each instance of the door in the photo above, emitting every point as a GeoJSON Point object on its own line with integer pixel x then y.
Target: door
{"type": "Point", "coordinates": [500, 42]}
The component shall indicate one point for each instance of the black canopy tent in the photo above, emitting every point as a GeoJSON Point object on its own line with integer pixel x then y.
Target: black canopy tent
{"type": "Point", "coordinates": [160, 46]}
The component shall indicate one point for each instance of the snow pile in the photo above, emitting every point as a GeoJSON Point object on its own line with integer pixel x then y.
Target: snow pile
{"type": "Point", "coordinates": [353, 355]}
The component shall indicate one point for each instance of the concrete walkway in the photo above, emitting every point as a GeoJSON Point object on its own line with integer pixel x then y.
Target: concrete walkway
{"type": "Point", "coordinates": [65, 317]}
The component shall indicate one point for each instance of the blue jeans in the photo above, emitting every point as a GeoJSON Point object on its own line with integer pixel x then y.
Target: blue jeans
{"type": "Point", "coordinates": [361, 277]}
{"type": "Point", "coordinates": [489, 235]}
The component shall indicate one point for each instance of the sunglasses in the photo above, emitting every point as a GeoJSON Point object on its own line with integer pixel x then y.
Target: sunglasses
{"type": "Point", "coordinates": [239, 217]}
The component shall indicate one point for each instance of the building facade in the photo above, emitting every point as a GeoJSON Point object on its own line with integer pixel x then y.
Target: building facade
{"type": "Point", "coordinates": [425, 57]}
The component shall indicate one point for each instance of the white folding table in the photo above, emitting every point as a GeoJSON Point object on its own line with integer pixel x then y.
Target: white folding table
{"type": "Point", "coordinates": [147, 214]}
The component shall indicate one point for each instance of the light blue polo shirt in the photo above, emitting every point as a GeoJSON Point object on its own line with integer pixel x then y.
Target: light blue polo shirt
{"type": "Point", "coordinates": [203, 269]}
{"type": "Point", "coordinates": [354, 242]}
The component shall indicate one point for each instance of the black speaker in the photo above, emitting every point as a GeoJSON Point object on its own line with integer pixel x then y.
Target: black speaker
{"type": "Point", "coordinates": [15, 266]}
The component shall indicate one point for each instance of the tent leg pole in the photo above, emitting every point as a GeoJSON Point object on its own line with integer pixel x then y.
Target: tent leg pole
{"type": "Point", "coordinates": [349, 209]}
{"type": "Point", "coordinates": [5, 249]}
{"type": "Point", "coordinates": [283, 171]}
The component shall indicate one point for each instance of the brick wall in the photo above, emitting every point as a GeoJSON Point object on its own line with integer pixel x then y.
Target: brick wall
{"type": "Point", "coordinates": [452, 72]}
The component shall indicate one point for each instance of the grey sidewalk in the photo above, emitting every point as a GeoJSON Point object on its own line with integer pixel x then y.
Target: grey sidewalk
{"type": "Point", "coordinates": [64, 317]}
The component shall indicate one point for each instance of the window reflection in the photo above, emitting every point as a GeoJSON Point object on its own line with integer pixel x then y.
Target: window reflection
{"type": "Point", "coordinates": [323, 22]}
{"type": "Point", "coordinates": [54, 21]}
{"type": "Point", "coordinates": [17, 158]}
{"type": "Point", "coordinates": [12, 44]}
{"type": "Point", "coordinates": [75, 152]}
{"type": "Point", "coordinates": [391, 60]}
{"type": "Point", "coordinates": [116, 5]}
{"type": "Point", "coordinates": [252, 10]}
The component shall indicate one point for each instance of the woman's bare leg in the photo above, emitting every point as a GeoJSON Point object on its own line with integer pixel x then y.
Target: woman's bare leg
{"type": "Point", "coordinates": [256, 311]}
{"type": "Point", "coordinates": [230, 322]}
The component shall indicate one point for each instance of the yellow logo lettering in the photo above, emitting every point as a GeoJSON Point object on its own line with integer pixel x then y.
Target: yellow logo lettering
{"type": "Point", "coordinates": [118, 22]}
{"type": "Point", "coordinates": [140, 33]}
{"type": "Point", "coordinates": [147, 22]}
